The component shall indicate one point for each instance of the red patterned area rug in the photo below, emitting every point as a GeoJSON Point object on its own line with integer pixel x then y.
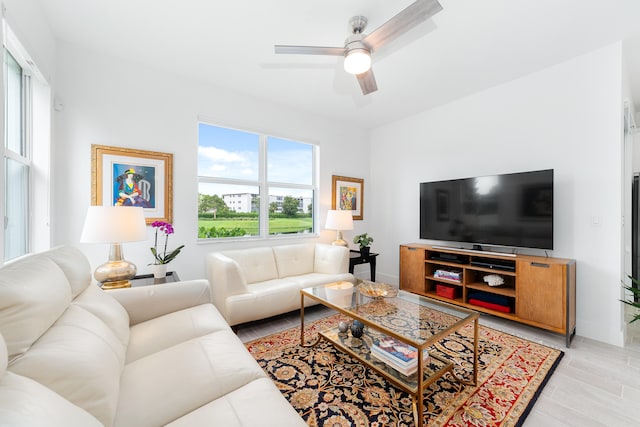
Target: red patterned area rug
{"type": "Point", "coordinates": [330, 388]}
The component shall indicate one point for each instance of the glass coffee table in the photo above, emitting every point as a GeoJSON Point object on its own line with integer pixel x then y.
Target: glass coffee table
{"type": "Point", "coordinates": [412, 319]}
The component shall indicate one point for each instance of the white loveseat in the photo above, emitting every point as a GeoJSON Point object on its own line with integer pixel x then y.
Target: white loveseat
{"type": "Point", "coordinates": [72, 354]}
{"type": "Point", "coordinates": [256, 283]}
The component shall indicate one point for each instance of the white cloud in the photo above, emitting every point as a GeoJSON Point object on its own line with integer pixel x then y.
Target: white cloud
{"type": "Point", "coordinates": [219, 155]}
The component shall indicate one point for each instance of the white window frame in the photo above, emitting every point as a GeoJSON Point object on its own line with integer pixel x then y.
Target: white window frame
{"type": "Point", "coordinates": [24, 159]}
{"type": "Point", "coordinates": [35, 90]}
{"type": "Point", "coordinates": [263, 185]}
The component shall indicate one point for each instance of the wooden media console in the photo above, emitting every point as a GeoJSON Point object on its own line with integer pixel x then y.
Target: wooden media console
{"type": "Point", "coordinates": [537, 291]}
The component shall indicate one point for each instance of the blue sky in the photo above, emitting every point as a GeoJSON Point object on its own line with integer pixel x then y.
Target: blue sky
{"type": "Point", "coordinates": [234, 154]}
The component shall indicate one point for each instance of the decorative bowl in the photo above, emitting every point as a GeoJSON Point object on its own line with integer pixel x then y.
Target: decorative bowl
{"type": "Point", "coordinates": [377, 289]}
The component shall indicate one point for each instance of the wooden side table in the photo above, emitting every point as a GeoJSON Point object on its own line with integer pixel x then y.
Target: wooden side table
{"type": "Point", "coordinates": [355, 258]}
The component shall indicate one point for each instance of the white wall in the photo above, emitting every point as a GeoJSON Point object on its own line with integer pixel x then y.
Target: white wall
{"type": "Point", "coordinates": [567, 117]}
{"type": "Point", "coordinates": [30, 26]}
{"type": "Point", "coordinates": [117, 103]}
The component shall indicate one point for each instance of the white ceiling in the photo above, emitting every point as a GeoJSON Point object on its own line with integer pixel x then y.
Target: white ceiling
{"type": "Point", "coordinates": [469, 46]}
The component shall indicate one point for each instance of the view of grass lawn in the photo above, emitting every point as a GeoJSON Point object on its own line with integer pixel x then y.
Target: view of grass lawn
{"type": "Point", "coordinates": [251, 225]}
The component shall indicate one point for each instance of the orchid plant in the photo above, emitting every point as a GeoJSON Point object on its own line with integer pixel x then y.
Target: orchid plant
{"type": "Point", "coordinates": [164, 257]}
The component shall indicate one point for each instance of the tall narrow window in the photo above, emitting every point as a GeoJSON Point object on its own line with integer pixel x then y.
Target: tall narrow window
{"type": "Point", "coordinates": [290, 186]}
{"type": "Point", "coordinates": [17, 159]}
{"type": "Point", "coordinates": [253, 185]}
{"type": "Point", "coordinates": [26, 152]}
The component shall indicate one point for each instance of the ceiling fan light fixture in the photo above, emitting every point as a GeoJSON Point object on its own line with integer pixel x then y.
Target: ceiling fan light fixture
{"type": "Point", "coordinates": [357, 61]}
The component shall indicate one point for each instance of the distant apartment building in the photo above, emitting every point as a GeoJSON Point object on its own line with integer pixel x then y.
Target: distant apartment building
{"type": "Point", "coordinates": [247, 202]}
{"type": "Point", "coordinates": [241, 202]}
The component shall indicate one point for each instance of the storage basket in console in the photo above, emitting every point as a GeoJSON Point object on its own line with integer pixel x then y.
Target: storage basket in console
{"type": "Point", "coordinates": [447, 291]}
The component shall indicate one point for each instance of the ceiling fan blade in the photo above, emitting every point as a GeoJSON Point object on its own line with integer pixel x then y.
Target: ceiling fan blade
{"type": "Point", "coordinates": [417, 12]}
{"type": "Point", "coordinates": [367, 82]}
{"type": "Point", "coordinates": [310, 50]}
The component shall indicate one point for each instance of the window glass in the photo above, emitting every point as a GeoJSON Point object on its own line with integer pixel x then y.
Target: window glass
{"type": "Point", "coordinates": [16, 202]}
{"type": "Point", "coordinates": [236, 168]}
{"type": "Point", "coordinates": [290, 211]}
{"type": "Point", "coordinates": [227, 153]}
{"type": "Point", "coordinates": [14, 140]}
{"type": "Point", "coordinates": [289, 161]}
{"type": "Point", "coordinates": [227, 210]}
{"type": "Point", "coordinates": [16, 163]}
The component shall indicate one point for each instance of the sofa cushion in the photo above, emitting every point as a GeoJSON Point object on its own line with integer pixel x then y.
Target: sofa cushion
{"type": "Point", "coordinates": [330, 259]}
{"type": "Point", "coordinates": [25, 403]}
{"type": "Point", "coordinates": [107, 309]}
{"type": "Point", "coordinates": [74, 265]}
{"type": "Point", "coordinates": [231, 410]}
{"type": "Point", "coordinates": [264, 300]}
{"type": "Point", "coordinates": [79, 358]}
{"type": "Point", "coordinates": [34, 292]}
{"type": "Point", "coordinates": [257, 264]}
{"type": "Point", "coordinates": [174, 328]}
{"type": "Point", "coordinates": [294, 260]}
{"type": "Point", "coordinates": [182, 378]}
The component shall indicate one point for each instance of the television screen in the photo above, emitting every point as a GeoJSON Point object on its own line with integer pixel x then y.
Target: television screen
{"type": "Point", "coordinates": [513, 209]}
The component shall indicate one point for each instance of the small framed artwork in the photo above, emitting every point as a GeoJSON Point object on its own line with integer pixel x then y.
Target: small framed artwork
{"type": "Point", "coordinates": [348, 195]}
{"type": "Point", "coordinates": [128, 177]}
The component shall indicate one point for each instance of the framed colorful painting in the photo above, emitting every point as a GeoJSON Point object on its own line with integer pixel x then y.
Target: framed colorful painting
{"type": "Point", "coordinates": [128, 177]}
{"type": "Point", "coordinates": [348, 195]}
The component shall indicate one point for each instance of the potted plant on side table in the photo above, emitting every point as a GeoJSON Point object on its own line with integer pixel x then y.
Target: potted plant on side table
{"type": "Point", "coordinates": [363, 240]}
{"type": "Point", "coordinates": [159, 266]}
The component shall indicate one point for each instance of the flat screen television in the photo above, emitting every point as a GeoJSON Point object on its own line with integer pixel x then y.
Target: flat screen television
{"type": "Point", "coordinates": [513, 210]}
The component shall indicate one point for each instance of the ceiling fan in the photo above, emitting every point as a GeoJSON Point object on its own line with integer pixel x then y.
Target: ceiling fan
{"type": "Point", "coordinates": [358, 47]}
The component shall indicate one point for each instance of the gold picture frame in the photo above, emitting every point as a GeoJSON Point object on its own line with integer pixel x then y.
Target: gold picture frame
{"type": "Point", "coordinates": [129, 177]}
{"type": "Point", "coordinates": [348, 194]}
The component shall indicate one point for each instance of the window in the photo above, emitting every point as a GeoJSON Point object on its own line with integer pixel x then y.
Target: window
{"type": "Point", "coordinates": [17, 161]}
{"type": "Point", "coordinates": [254, 185]}
{"type": "Point", "coordinates": [25, 165]}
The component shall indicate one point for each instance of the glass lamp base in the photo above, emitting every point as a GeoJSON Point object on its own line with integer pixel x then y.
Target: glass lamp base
{"type": "Point", "coordinates": [339, 241]}
{"type": "Point", "coordinates": [116, 285]}
{"type": "Point", "coordinates": [116, 272]}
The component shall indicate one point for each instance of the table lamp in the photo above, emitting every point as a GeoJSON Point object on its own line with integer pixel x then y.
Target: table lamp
{"type": "Point", "coordinates": [339, 220]}
{"type": "Point", "coordinates": [114, 225]}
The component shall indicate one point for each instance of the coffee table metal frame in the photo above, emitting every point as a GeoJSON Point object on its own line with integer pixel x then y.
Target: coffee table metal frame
{"type": "Point", "coordinates": [414, 385]}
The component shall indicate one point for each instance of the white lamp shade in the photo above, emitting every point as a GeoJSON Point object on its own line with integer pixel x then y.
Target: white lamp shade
{"type": "Point", "coordinates": [114, 224]}
{"type": "Point", "coordinates": [357, 61]}
{"type": "Point", "coordinates": [339, 220]}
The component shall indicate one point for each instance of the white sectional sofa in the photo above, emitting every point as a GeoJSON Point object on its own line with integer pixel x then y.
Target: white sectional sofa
{"type": "Point", "coordinates": [256, 283]}
{"type": "Point", "coordinates": [72, 354]}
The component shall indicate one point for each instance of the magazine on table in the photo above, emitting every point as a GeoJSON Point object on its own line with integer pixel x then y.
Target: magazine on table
{"type": "Point", "coordinates": [401, 369]}
{"type": "Point", "coordinates": [399, 355]}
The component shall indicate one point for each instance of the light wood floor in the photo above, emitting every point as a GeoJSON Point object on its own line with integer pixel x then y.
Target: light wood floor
{"type": "Point", "coordinates": [595, 384]}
